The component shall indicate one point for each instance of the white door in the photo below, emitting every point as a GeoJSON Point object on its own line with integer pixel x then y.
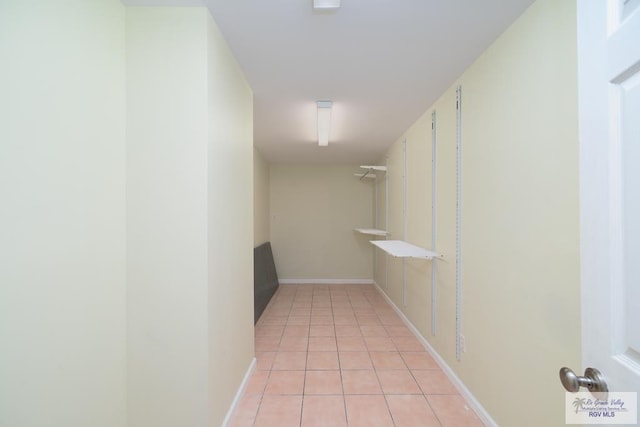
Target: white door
{"type": "Point", "coordinates": [609, 128]}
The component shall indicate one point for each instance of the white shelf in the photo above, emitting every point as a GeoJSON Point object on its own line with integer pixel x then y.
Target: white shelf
{"type": "Point", "coordinates": [371, 171]}
{"type": "Point", "coordinates": [401, 249]}
{"type": "Point", "coordinates": [372, 231]}
{"type": "Point", "coordinates": [375, 168]}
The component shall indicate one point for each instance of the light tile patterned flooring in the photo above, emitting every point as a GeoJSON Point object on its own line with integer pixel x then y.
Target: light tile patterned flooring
{"type": "Point", "coordinates": [338, 355]}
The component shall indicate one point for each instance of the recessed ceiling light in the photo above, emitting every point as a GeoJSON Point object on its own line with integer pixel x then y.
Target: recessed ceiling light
{"type": "Point", "coordinates": [326, 4]}
{"type": "Point", "coordinates": [324, 122]}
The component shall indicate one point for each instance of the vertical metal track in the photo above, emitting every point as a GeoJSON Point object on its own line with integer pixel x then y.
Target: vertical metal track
{"type": "Point", "coordinates": [404, 220]}
{"type": "Point", "coordinates": [458, 219]}
{"type": "Point", "coordinates": [375, 222]}
{"type": "Point", "coordinates": [433, 219]}
{"type": "Point", "coordinates": [375, 202]}
{"type": "Point", "coordinates": [386, 220]}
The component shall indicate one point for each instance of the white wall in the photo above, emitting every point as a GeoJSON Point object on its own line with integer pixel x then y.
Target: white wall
{"type": "Point", "coordinates": [62, 220]}
{"type": "Point", "coordinates": [190, 214]}
{"type": "Point", "coordinates": [520, 237]}
{"type": "Point", "coordinates": [261, 199]}
{"type": "Point", "coordinates": [314, 210]}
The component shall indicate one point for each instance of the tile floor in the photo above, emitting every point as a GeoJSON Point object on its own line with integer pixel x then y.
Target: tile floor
{"type": "Point", "coordinates": [338, 355]}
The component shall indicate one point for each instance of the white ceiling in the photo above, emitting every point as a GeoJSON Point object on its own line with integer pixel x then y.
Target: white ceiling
{"type": "Point", "coordinates": [381, 62]}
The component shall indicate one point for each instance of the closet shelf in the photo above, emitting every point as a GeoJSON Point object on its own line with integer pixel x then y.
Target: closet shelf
{"type": "Point", "coordinates": [372, 231]}
{"type": "Point", "coordinates": [375, 168]}
{"type": "Point", "coordinates": [401, 249]}
{"type": "Point", "coordinates": [371, 171]}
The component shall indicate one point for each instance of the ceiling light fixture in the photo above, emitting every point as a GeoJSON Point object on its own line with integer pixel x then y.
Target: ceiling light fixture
{"type": "Point", "coordinates": [326, 4]}
{"type": "Point", "coordinates": [324, 122]}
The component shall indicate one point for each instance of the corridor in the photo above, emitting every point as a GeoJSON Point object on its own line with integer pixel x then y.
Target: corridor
{"type": "Point", "coordinates": [339, 355]}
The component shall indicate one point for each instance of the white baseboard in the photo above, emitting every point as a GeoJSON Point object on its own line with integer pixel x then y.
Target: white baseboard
{"type": "Point", "coordinates": [459, 385]}
{"type": "Point", "coordinates": [239, 393]}
{"type": "Point", "coordinates": [326, 281]}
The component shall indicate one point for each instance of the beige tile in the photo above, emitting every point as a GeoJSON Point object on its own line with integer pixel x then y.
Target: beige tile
{"type": "Point", "coordinates": [368, 320]}
{"type": "Point", "coordinates": [323, 382]}
{"type": "Point", "coordinates": [362, 308]}
{"type": "Point", "coordinates": [398, 382]}
{"type": "Point", "coordinates": [345, 320]}
{"type": "Point", "coordinates": [367, 411]}
{"type": "Point", "coordinates": [360, 382]}
{"type": "Point", "coordinates": [407, 344]}
{"type": "Point", "coordinates": [419, 360]}
{"type": "Point", "coordinates": [387, 360]}
{"type": "Point", "coordinates": [322, 344]}
{"type": "Point", "coordinates": [321, 312]}
{"type": "Point", "coordinates": [411, 411]}
{"type": "Point", "coordinates": [274, 320]}
{"type": "Point", "coordinates": [267, 343]}
{"type": "Point", "coordinates": [301, 303]}
{"type": "Point", "coordinates": [279, 411]}
{"type": "Point", "coordinates": [296, 331]}
{"type": "Point", "coordinates": [257, 382]}
{"type": "Point", "coordinates": [285, 382]}
{"type": "Point", "coordinates": [434, 381]}
{"type": "Point", "coordinates": [245, 413]}
{"type": "Point", "coordinates": [290, 361]}
{"type": "Point", "coordinates": [355, 360]}
{"type": "Point", "coordinates": [390, 320]}
{"type": "Point", "coordinates": [264, 360]}
{"type": "Point", "coordinates": [321, 303]}
{"type": "Point", "coordinates": [278, 311]}
{"type": "Point", "coordinates": [323, 411]}
{"type": "Point", "coordinates": [351, 344]}
{"type": "Point", "coordinates": [358, 322]}
{"type": "Point", "coordinates": [398, 331]}
{"type": "Point", "coordinates": [453, 411]}
{"type": "Point", "coordinates": [301, 311]}
{"type": "Point", "coordinates": [322, 330]}
{"type": "Point", "coordinates": [379, 344]}
{"type": "Point", "coordinates": [298, 320]}
{"type": "Point", "coordinates": [294, 343]}
{"type": "Point", "coordinates": [383, 309]}
{"type": "Point", "coordinates": [340, 303]}
{"type": "Point", "coordinates": [322, 320]}
{"type": "Point", "coordinates": [269, 331]}
{"type": "Point", "coordinates": [322, 360]}
{"type": "Point", "coordinates": [348, 331]}
{"type": "Point", "coordinates": [373, 331]}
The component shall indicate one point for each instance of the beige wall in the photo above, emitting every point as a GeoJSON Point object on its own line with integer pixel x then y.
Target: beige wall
{"type": "Point", "coordinates": [230, 225]}
{"type": "Point", "coordinates": [167, 216]}
{"type": "Point", "coordinates": [380, 261]}
{"type": "Point", "coordinates": [62, 220]}
{"type": "Point", "coordinates": [261, 189]}
{"type": "Point", "coordinates": [126, 143]}
{"type": "Point", "coordinates": [190, 233]}
{"type": "Point", "coordinates": [520, 241]}
{"type": "Point", "coordinates": [314, 210]}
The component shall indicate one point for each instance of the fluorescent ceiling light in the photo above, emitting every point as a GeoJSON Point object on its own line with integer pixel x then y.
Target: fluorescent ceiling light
{"type": "Point", "coordinates": [324, 122]}
{"type": "Point", "coordinates": [326, 4]}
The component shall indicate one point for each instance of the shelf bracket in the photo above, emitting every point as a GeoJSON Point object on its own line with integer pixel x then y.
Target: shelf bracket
{"type": "Point", "coordinates": [365, 174]}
